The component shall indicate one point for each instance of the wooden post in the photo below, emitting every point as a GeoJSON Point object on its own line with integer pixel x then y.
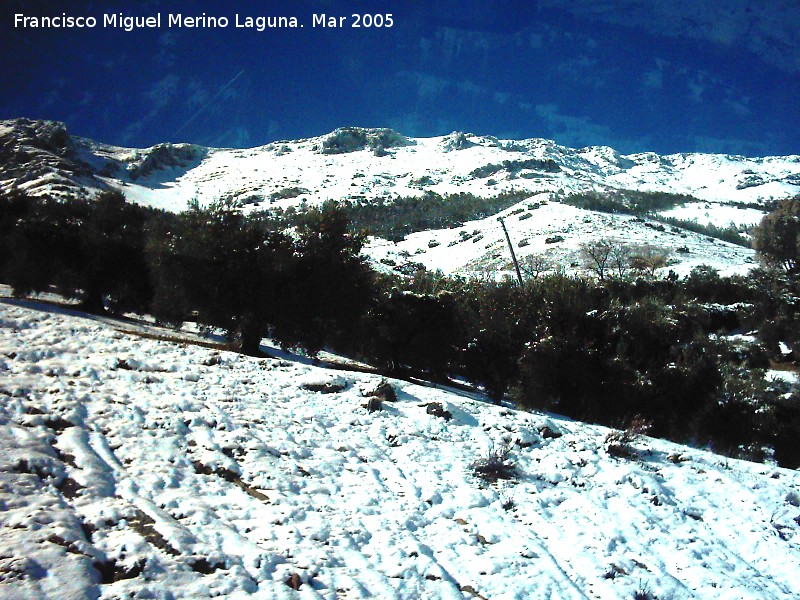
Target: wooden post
{"type": "Point", "coordinates": [511, 249]}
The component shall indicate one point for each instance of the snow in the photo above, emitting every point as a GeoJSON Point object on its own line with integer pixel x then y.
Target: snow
{"type": "Point", "coordinates": [295, 173]}
{"type": "Point", "coordinates": [261, 171]}
{"type": "Point", "coordinates": [230, 477]}
{"type": "Point", "coordinates": [787, 376]}
{"type": "Point", "coordinates": [716, 214]}
{"type": "Point", "coordinates": [254, 175]}
{"type": "Point", "coordinates": [267, 169]}
{"type": "Point", "coordinates": [480, 246]}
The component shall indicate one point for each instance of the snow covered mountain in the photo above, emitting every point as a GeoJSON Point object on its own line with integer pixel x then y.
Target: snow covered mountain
{"type": "Point", "coordinates": [379, 165]}
{"type": "Point", "coordinates": [144, 462]}
{"type": "Point", "coordinates": [133, 466]}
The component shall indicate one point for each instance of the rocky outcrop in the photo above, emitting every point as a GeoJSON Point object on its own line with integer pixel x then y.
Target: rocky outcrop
{"type": "Point", "coordinates": [165, 156]}
{"type": "Point", "coordinates": [352, 139]}
{"type": "Point", "coordinates": [41, 156]}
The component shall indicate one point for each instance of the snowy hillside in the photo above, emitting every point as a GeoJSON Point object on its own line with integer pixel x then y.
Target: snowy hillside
{"type": "Point", "coordinates": [555, 232]}
{"type": "Point", "coordinates": [134, 467]}
{"type": "Point", "coordinates": [371, 165]}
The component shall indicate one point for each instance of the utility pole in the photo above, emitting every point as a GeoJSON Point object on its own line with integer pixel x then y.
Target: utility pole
{"type": "Point", "coordinates": [511, 249]}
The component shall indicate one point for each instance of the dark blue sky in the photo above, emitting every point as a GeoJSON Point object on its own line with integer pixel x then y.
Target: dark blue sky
{"type": "Point", "coordinates": [667, 76]}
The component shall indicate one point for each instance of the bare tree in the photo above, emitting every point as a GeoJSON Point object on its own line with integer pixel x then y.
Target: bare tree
{"type": "Point", "coordinates": [534, 265]}
{"type": "Point", "coordinates": [648, 258]}
{"type": "Point", "coordinates": [597, 256]}
{"type": "Point", "coordinates": [620, 259]}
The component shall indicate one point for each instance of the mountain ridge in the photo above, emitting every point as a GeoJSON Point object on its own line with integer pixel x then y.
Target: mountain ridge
{"type": "Point", "coordinates": [365, 166]}
{"type": "Point", "coordinates": [53, 140]}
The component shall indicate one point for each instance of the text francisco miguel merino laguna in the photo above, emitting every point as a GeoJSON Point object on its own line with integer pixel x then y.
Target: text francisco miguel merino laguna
{"type": "Point", "coordinates": [202, 21]}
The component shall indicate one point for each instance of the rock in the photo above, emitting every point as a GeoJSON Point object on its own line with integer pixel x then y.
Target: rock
{"type": "Point", "coordinates": [384, 391]}
{"type": "Point", "coordinates": [374, 404]}
{"type": "Point", "coordinates": [438, 410]}
{"type": "Point", "coordinates": [324, 385]}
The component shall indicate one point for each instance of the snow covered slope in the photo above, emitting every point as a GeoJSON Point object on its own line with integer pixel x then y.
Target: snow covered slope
{"type": "Point", "coordinates": [365, 165]}
{"type": "Point", "coordinates": [554, 232]}
{"type": "Point", "coordinates": [132, 467]}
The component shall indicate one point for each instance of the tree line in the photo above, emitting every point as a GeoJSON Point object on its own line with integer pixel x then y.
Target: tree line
{"type": "Point", "coordinates": [604, 351]}
{"type": "Point", "coordinates": [395, 218]}
{"type": "Point", "coordinates": [214, 265]}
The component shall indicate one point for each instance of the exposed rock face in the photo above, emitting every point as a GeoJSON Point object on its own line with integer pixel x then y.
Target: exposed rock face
{"type": "Point", "coordinates": [352, 139]}
{"type": "Point", "coordinates": [42, 156]}
{"type": "Point", "coordinates": [457, 140]}
{"type": "Point", "coordinates": [164, 156]}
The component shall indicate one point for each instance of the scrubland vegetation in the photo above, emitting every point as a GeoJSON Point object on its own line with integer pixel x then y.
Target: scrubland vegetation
{"type": "Point", "coordinates": [628, 345]}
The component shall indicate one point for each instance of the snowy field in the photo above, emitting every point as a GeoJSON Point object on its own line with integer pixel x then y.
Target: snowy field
{"type": "Point", "coordinates": [289, 173]}
{"type": "Point", "coordinates": [138, 468]}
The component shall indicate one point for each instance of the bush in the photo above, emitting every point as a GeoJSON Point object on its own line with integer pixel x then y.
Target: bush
{"type": "Point", "coordinates": [13, 207]}
{"type": "Point", "coordinates": [404, 215]}
{"type": "Point", "coordinates": [737, 421]}
{"type": "Point", "coordinates": [497, 464]}
{"type": "Point", "coordinates": [286, 193]}
{"type": "Point", "coordinates": [622, 360]}
{"type": "Point", "coordinates": [327, 287]}
{"type": "Point", "coordinates": [777, 237]}
{"type": "Point", "coordinates": [784, 427]}
{"type": "Point", "coordinates": [414, 331]}
{"type": "Point", "coordinates": [515, 166]}
{"type": "Point", "coordinates": [729, 234]}
{"type": "Point", "coordinates": [705, 284]}
{"type": "Point", "coordinates": [632, 202]}
{"type": "Point", "coordinates": [620, 443]}
{"type": "Point", "coordinates": [238, 273]}
{"type": "Point", "coordinates": [498, 318]}
{"type": "Point", "coordinates": [113, 241]}
{"type": "Point", "coordinates": [44, 243]}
